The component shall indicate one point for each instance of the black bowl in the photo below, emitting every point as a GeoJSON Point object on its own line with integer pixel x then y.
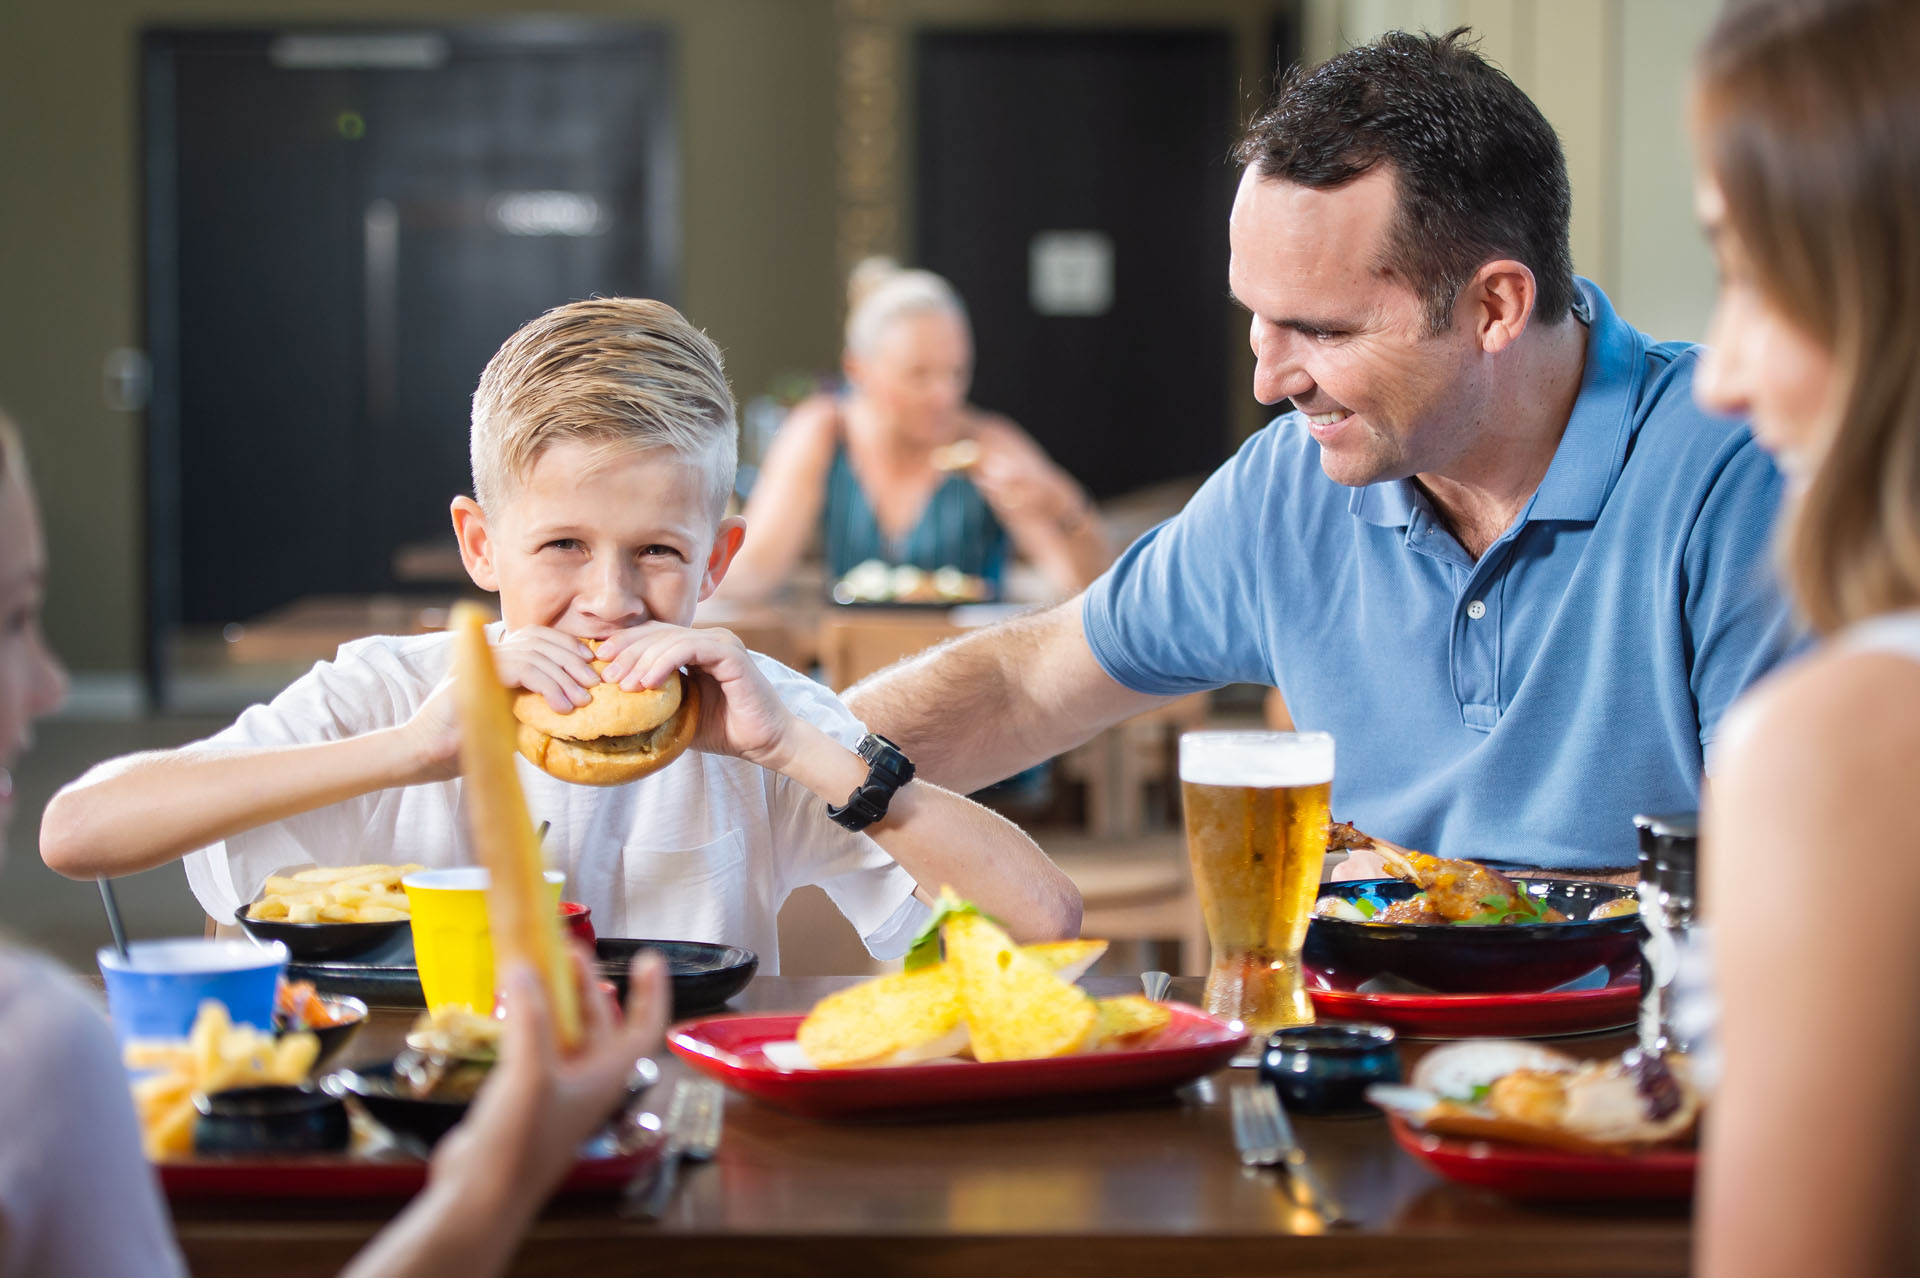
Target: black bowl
{"type": "Point", "coordinates": [1326, 1068]}
{"type": "Point", "coordinates": [269, 1120]}
{"type": "Point", "coordinates": [349, 1013]}
{"type": "Point", "coordinates": [1457, 959]}
{"type": "Point", "coordinates": [388, 1100]}
{"type": "Point", "coordinates": [322, 940]}
{"type": "Point", "coordinates": [427, 1120]}
{"type": "Point", "coordinates": [703, 975]}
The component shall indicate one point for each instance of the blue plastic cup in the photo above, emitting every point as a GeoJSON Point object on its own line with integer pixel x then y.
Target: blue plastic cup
{"type": "Point", "coordinates": [156, 991]}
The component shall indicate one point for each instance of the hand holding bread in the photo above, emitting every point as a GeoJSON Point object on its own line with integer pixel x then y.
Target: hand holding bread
{"type": "Point", "coordinates": [740, 713]}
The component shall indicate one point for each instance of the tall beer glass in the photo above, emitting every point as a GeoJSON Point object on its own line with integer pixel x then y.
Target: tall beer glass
{"type": "Point", "coordinates": [1256, 805]}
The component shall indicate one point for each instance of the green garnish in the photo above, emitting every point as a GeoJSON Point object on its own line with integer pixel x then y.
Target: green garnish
{"type": "Point", "coordinates": [925, 950]}
{"type": "Point", "coordinates": [1528, 909]}
{"type": "Point", "coordinates": [1367, 906]}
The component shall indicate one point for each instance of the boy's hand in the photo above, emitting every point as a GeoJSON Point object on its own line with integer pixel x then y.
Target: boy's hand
{"type": "Point", "coordinates": [740, 713]}
{"type": "Point", "coordinates": [536, 658]}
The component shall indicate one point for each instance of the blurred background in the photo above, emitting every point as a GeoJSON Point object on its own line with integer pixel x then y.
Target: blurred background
{"type": "Point", "coordinates": [253, 256]}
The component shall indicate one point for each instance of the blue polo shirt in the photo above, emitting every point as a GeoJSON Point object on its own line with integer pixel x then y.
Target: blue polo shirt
{"type": "Point", "coordinates": [1519, 709]}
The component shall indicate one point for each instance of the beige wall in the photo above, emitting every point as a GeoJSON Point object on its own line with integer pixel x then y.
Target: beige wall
{"type": "Point", "coordinates": [1611, 76]}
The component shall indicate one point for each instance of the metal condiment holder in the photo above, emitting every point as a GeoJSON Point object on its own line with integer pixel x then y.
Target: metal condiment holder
{"type": "Point", "coordinates": [1669, 855]}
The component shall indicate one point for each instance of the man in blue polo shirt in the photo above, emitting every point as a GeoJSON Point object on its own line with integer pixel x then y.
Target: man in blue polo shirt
{"type": "Point", "coordinates": [1495, 549]}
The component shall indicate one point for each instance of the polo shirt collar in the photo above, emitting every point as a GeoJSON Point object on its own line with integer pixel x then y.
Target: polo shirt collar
{"type": "Point", "coordinates": [1592, 449]}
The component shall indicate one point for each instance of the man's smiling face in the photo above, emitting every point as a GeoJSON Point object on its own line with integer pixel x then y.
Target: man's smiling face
{"type": "Point", "coordinates": [1346, 340]}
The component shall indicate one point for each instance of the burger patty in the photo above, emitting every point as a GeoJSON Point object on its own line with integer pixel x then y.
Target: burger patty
{"type": "Point", "coordinates": [639, 742]}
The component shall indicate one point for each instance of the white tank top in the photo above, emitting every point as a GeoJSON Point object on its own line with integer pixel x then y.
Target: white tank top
{"type": "Point", "coordinates": [1894, 632]}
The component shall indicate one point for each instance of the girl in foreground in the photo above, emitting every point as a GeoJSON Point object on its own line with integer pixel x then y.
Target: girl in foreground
{"type": "Point", "coordinates": [76, 1194]}
{"type": "Point", "coordinates": [1807, 122]}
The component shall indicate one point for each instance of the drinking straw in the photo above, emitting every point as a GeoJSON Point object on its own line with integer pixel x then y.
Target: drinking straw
{"type": "Point", "coordinates": [113, 915]}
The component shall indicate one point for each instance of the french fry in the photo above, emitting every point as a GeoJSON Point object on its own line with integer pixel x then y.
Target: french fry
{"type": "Point", "coordinates": [216, 1054]}
{"type": "Point", "coordinates": [336, 894]}
{"type": "Point", "coordinates": [524, 927]}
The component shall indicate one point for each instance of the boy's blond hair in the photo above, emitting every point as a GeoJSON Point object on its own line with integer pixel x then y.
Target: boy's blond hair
{"type": "Point", "coordinates": [617, 372]}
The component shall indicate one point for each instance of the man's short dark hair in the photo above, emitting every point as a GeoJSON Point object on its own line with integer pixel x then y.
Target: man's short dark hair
{"type": "Point", "coordinates": [1480, 171]}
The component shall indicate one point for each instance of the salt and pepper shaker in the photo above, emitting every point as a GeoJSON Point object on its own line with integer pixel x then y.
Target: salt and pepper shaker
{"type": "Point", "coordinates": [1669, 848]}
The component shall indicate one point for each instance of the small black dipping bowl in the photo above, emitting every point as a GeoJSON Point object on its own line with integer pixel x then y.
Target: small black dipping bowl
{"type": "Point", "coordinates": [1326, 1068]}
{"type": "Point", "coordinates": [269, 1120]}
{"type": "Point", "coordinates": [310, 941]}
{"type": "Point", "coordinates": [1454, 958]}
{"type": "Point", "coordinates": [389, 1101]}
{"type": "Point", "coordinates": [349, 1014]}
{"type": "Point", "coordinates": [427, 1120]}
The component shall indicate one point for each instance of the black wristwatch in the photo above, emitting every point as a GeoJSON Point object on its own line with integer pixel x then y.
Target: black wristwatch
{"type": "Point", "coordinates": [887, 771]}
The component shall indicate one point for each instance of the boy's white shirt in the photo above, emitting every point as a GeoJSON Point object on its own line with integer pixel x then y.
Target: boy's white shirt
{"type": "Point", "coordinates": [705, 849]}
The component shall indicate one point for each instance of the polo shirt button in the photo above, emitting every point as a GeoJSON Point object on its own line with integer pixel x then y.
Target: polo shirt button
{"type": "Point", "coordinates": [1476, 610]}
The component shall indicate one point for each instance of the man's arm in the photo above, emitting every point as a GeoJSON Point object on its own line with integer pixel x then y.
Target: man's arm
{"type": "Point", "coordinates": [148, 809]}
{"type": "Point", "coordinates": [946, 840]}
{"type": "Point", "coordinates": [981, 707]}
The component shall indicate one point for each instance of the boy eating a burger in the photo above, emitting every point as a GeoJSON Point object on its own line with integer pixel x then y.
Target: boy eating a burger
{"type": "Point", "coordinates": [603, 450]}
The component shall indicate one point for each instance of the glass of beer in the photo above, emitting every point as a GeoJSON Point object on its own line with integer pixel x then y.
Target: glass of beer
{"type": "Point", "coordinates": [1256, 805]}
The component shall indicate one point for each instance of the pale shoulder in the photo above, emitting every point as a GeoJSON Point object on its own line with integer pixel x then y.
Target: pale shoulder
{"type": "Point", "coordinates": [1828, 743]}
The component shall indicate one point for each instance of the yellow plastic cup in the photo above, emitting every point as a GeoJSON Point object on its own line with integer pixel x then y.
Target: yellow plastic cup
{"type": "Point", "coordinates": [452, 945]}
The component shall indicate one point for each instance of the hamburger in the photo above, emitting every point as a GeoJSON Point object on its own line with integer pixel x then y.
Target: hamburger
{"type": "Point", "coordinates": [618, 736]}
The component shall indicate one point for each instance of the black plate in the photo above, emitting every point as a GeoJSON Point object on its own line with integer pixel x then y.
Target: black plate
{"type": "Point", "coordinates": [704, 976]}
{"type": "Point", "coordinates": [324, 940]}
{"type": "Point", "coordinates": [1456, 959]}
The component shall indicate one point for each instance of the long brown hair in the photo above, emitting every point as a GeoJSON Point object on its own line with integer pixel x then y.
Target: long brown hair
{"type": "Point", "coordinates": [1807, 114]}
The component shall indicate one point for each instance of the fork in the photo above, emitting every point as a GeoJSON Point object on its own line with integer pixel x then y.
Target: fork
{"type": "Point", "coordinates": [1265, 1138]}
{"type": "Point", "coordinates": [691, 1132]}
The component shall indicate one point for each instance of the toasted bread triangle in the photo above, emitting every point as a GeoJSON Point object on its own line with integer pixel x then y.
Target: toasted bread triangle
{"type": "Point", "coordinates": [1128, 1020]}
{"type": "Point", "coordinates": [890, 1020]}
{"type": "Point", "coordinates": [1068, 960]}
{"type": "Point", "coordinates": [1016, 1008]}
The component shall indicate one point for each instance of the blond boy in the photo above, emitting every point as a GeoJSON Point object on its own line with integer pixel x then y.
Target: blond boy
{"type": "Point", "coordinates": [603, 451]}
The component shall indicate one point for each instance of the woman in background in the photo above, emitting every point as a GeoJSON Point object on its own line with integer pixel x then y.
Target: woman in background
{"type": "Point", "coordinates": [1807, 119]}
{"type": "Point", "coordinates": [902, 469]}
{"type": "Point", "coordinates": [77, 1196]}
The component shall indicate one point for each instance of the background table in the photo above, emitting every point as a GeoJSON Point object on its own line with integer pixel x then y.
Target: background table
{"type": "Point", "coordinates": [1147, 1187]}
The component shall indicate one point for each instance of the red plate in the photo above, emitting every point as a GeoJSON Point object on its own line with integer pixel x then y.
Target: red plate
{"type": "Point", "coordinates": [729, 1048]}
{"type": "Point", "coordinates": [343, 1176]}
{"type": "Point", "coordinates": [1493, 1015]}
{"type": "Point", "coordinates": [1537, 1172]}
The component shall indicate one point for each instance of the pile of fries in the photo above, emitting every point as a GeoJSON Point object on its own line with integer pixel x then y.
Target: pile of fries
{"type": "Point", "coordinates": [216, 1054]}
{"type": "Point", "coordinates": [336, 894]}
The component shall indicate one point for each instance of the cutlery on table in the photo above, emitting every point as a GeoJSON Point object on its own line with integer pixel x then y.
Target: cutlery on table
{"type": "Point", "coordinates": [1265, 1138]}
{"type": "Point", "coordinates": [691, 1132]}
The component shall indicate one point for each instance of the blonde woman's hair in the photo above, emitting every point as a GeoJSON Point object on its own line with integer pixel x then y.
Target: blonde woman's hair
{"type": "Point", "coordinates": [880, 293]}
{"type": "Point", "coordinates": [619, 373]}
{"type": "Point", "coordinates": [1808, 117]}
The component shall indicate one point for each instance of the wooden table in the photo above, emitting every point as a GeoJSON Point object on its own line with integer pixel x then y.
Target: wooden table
{"type": "Point", "coordinates": [1150, 1187]}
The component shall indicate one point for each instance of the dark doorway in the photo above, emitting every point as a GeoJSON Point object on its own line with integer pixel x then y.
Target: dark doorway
{"type": "Point", "coordinates": [1073, 185]}
{"type": "Point", "coordinates": [341, 227]}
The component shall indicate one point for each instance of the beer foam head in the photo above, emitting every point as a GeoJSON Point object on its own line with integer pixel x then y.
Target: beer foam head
{"type": "Point", "coordinates": [1263, 759]}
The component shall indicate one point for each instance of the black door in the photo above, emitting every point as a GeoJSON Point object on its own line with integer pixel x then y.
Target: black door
{"type": "Point", "coordinates": [341, 228]}
{"type": "Point", "coordinates": [1073, 186]}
